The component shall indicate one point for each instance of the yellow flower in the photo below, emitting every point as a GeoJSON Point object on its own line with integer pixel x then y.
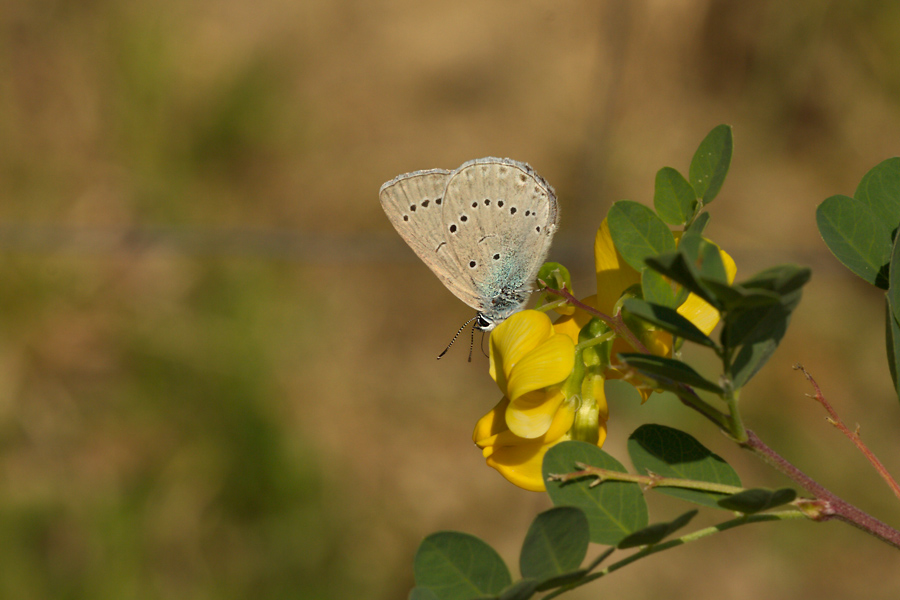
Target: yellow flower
{"type": "Point", "coordinates": [614, 277]}
{"type": "Point", "coordinates": [549, 394]}
{"type": "Point", "coordinates": [530, 361]}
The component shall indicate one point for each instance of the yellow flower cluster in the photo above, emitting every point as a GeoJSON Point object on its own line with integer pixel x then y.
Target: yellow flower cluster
{"type": "Point", "coordinates": [533, 362]}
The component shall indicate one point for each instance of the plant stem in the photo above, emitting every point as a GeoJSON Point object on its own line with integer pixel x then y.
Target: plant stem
{"type": "Point", "coordinates": [835, 420]}
{"type": "Point", "coordinates": [826, 506]}
{"type": "Point", "coordinates": [691, 537]}
{"type": "Point", "coordinates": [648, 481]}
{"type": "Point", "coordinates": [616, 322]}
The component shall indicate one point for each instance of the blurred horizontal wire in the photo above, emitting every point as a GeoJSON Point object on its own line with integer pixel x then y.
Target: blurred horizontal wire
{"type": "Point", "coordinates": [340, 248]}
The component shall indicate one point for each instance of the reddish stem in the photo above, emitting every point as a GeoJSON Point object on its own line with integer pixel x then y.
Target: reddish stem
{"type": "Point", "coordinates": [835, 420]}
{"type": "Point", "coordinates": [617, 323]}
{"type": "Point", "coordinates": [827, 506]}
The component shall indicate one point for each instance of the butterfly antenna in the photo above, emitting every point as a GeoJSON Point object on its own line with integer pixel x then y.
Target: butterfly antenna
{"type": "Point", "coordinates": [464, 325]}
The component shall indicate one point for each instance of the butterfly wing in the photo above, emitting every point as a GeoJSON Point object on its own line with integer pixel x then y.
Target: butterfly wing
{"type": "Point", "coordinates": [414, 202]}
{"type": "Point", "coordinates": [500, 217]}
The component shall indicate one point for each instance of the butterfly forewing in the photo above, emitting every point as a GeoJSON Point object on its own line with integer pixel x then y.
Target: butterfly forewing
{"type": "Point", "coordinates": [414, 202]}
{"type": "Point", "coordinates": [500, 216]}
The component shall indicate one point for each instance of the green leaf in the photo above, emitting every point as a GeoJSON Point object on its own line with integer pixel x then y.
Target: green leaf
{"type": "Point", "coordinates": [562, 580]}
{"type": "Point", "coordinates": [420, 593]}
{"type": "Point", "coordinates": [857, 237]}
{"type": "Point", "coordinates": [880, 191]}
{"type": "Point", "coordinates": [757, 500]}
{"type": "Point", "coordinates": [556, 543]}
{"type": "Point", "coordinates": [638, 233]}
{"type": "Point", "coordinates": [893, 292]}
{"type": "Point", "coordinates": [667, 372]}
{"type": "Point", "coordinates": [678, 268]}
{"type": "Point", "coordinates": [520, 590]}
{"type": "Point", "coordinates": [760, 323]}
{"type": "Point", "coordinates": [656, 289]}
{"type": "Point", "coordinates": [673, 197]}
{"type": "Point", "coordinates": [698, 225]}
{"type": "Point", "coordinates": [613, 509]}
{"type": "Point", "coordinates": [711, 266]}
{"type": "Point", "coordinates": [710, 163]}
{"type": "Point", "coordinates": [657, 532]}
{"type": "Point", "coordinates": [459, 566]}
{"type": "Point", "coordinates": [892, 331]}
{"type": "Point", "coordinates": [669, 320]}
{"type": "Point", "coordinates": [669, 452]}
{"type": "Point", "coordinates": [749, 360]}
{"type": "Point", "coordinates": [782, 279]}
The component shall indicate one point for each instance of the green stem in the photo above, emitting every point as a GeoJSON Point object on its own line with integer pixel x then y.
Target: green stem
{"type": "Point", "coordinates": [595, 341]}
{"type": "Point", "coordinates": [648, 481]}
{"type": "Point", "coordinates": [691, 537]}
{"type": "Point", "coordinates": [737, 429]}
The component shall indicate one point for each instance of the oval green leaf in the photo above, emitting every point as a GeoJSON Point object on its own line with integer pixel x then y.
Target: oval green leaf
{"type": "Point", "coordinates": [638, 233]}
{"type": "Point", "coordinates": [653, 534]}
{"type": "Point", "coordinates": [556, 543]}
{"type": "Point", "coordinates": [880, 191]}
{"type": "Point", "coordinates": [420, 593]}
{"type": "Point", "coordinates": [668, 372]}
{"type": "Point", "coordinates": [669, 452]}
{"type": "Point", "coordinates": [668, 319]}
{"type": "Point", "coordinates": [892, 333]}
{"type": "Point", "coordinates": [757, 500]}
{"type": "Point", "coordinates": [673, 197]}
{"type": "Point", "coordinates": [459, 566]}
{"type": "Point", "coordinates": [857, 237]}
{"type": "Point", "coordinates": [656, 289]}
{"type": "Point", "coordinates": [711, 162]}
{"type": "Point", "coordinates": [614, 509]}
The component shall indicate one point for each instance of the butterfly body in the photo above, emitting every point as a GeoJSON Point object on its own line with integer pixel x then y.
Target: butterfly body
{"type": "Point", "coordinates": [484, 229]}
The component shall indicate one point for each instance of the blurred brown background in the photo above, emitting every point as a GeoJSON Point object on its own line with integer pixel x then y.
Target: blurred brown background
{"type": "Point", "coordinates": [217, 374]}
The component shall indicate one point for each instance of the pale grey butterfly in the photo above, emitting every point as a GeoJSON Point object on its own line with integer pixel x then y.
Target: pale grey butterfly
{"type": "Point", "coordinates": [484, 229]}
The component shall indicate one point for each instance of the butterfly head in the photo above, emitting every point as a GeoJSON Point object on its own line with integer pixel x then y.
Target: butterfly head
{"type": "Point", "coordinates": [484, 322]}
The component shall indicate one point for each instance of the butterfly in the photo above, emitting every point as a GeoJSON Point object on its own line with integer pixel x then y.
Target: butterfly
{"type": "Point", "coordinates": [484, 229]}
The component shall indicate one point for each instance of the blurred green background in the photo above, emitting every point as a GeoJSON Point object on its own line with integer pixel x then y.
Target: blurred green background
{"type": "Point", "coordinates": [217, 374]}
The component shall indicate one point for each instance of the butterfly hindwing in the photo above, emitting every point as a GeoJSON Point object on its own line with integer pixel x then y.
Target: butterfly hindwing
{"type": "Point", "coordinates": [504, 216]}
{"type": "Point", "coordinates": [413, 203]}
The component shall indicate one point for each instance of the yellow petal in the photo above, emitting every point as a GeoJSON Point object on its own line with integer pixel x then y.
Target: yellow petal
{"type": "Point", "coordinates": [614, 275]}
{"type": "Point", "coordinates": [514, 338]}
{"type": "Point", "coordinates": [531, 415]}
{"type": "Point", "coordinates": [491, 424]}
{"type": "Point", "coordinates": [699, 312]}
{"type": "Point", "coordinates": [547, 364]}
{"type": "Point", "coordinates": [520, 460]}
{"type": "Point", "coordinates": [696, 309]}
